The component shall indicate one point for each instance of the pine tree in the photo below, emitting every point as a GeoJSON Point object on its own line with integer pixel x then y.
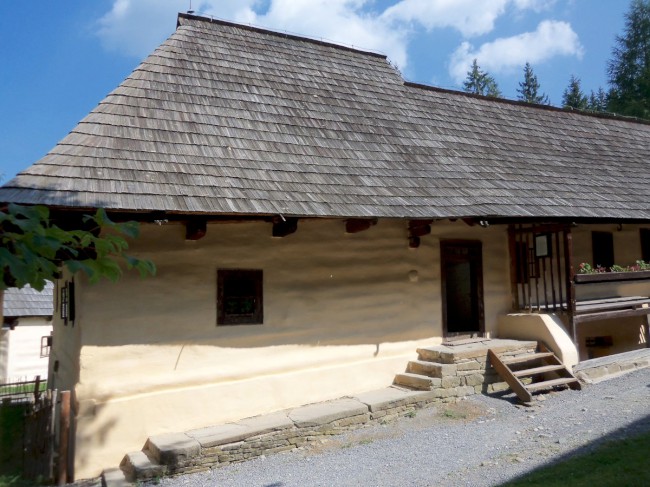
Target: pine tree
{"type": "Point", "coordinates": [573, 97]}
{"type": "Point", "coordinates": [629, 68]}
{"type": "Point", "coordinates": [529, 88]}
{"type": "Point", "coordinates": [479, 82]}
{"type": "Point", "coordinates": [597, 101]}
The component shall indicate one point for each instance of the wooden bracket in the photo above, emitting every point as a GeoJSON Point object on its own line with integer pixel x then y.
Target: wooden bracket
{"type": "Point", "coordinates": [284, 226]}
{"type": "Point", "coordinates": [417, 229]}
{"type": "Point", "coordinates": [356, 225]}
{"type": "Point", "coordinates": [195, 229]}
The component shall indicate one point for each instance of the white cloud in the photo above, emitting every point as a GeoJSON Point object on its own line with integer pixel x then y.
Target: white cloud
{"type": "Point", "coordinates": [469, 17]}
{"type": "Point", "coordinates": [341, 21]}
{"type": "Point", "coordinates": [137, 27]}
{"type": "Point", "coordinates": [536, 5]}
{"type": "Point", "coordinates": [551, 38]}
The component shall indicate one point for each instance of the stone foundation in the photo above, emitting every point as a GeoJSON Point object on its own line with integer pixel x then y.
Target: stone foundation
{"type": "Point", "coordinates": [206, 448]}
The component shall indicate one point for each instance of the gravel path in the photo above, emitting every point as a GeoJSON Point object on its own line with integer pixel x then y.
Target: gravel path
{"type": "Point", "coordinates": [481, 441]}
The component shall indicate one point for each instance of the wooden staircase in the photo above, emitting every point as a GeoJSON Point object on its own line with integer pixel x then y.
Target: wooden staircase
{"type": "Point", "coordinates": [545, 370]}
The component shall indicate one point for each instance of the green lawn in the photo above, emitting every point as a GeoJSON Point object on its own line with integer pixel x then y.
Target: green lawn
{"type": "Point", "coordinates": [617, 463]}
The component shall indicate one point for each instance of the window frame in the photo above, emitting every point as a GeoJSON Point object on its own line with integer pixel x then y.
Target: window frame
{"type": "Point", "coordinates": [644, 236]}
{"type": "Point", "coordinates": [255, 318]}
{"type": "Point", "coordinates": [602, 245]}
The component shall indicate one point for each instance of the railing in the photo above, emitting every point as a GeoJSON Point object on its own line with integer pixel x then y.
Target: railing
{"type": "Point", "coordinates": [30, 390]}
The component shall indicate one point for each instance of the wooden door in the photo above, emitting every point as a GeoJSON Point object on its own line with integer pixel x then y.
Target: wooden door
{"type": "Point", "coordinates": [462, 288]}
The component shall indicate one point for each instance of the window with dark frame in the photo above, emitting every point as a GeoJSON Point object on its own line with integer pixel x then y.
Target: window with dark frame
{"type": "Point", "coordinates": [645, 244]}
{"type": "Point", "coordinates": [239, 297]}
{"type": "Point", "coordinates": [602, 246]}
{"type": "Point", "coordinates": [67, 303]}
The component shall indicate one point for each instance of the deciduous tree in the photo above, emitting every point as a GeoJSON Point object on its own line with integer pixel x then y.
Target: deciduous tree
{"type": "Point", "coordinates": [33, 249]}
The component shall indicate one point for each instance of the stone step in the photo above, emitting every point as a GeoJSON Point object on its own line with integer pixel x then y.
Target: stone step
{"type": "Point", "coordinates": [431, 369]}
{"type": "Point", "coordinates": [172, 449]}
{"type": "Point", "coordinates": [115, 477]}
{"type": "Point", "coordinates": [414, 381]}
{"type": "Point", "coordinates": [138, 465]}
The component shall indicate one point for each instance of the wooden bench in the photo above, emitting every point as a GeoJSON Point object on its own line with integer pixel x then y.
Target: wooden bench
{"type": "Point", "coordinates": [614, 307]}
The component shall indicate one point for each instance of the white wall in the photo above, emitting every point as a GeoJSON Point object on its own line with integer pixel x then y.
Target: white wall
{"type": "Point", "coordinates": [342, 315]}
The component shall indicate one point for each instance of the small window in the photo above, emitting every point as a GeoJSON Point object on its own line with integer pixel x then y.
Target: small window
{"type": "Point", "coordinates": [46, 345]}
{"type": "Point", "coordinates": [602, 245]}
{"type": "Point", "coordinates": [67, 303]}
{"type": "Point", "coordinates": [645, 244]}
{"type": "Point", "coordinates": [239, 297]}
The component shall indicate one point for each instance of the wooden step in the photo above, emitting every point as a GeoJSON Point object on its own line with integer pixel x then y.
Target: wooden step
{"type": "Point", "coordinates": [548, 384]}
{"type": "Point", "coordinates": [537, 370]}
{"type": "Point", "coordinates": [526, 358]}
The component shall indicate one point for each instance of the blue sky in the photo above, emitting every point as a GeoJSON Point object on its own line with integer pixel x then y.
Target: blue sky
{"type": "Point", "coordinates": [61, 58]}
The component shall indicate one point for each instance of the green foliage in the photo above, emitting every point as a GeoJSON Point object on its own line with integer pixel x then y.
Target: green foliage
{"type": "Point", "coordinates": [573, 97]}
{"type": "Point", "coordinates": [639, 265]}
{"type": "Point", "coordinates": [529, 88]}
{"type": "Point", "coordinates": [629, 68]}
{"type": "Point", "coordinates": [479, 82]}
{"type": "Point", "coordinates": [598, 101]}
{"type": "Point", "coordinates": [620, 463]}
{"type": "Point", "coordinates": [33, 249]}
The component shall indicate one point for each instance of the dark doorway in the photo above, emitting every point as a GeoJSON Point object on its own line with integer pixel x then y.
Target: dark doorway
{"type": "Point", "coordinates": [462, 288]}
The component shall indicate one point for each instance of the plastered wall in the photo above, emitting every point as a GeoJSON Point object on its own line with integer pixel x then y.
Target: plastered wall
{"type": "Point", "coordinates": [24, 361]}
{"type": "Point", "coordinates": [343, 313]}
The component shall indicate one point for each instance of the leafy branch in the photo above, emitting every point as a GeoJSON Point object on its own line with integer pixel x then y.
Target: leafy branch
{"type": "Point", "coordinates": [33, 249]}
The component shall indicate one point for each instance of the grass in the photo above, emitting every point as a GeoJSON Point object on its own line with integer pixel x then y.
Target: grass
{"type": "Point", "coordinates": [617, 463]}
{"type": "Point", "coordinates": [21, 388]}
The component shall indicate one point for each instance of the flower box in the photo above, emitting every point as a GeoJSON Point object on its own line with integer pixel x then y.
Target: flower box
{"type": "Point", "coordinates": [612, 277]}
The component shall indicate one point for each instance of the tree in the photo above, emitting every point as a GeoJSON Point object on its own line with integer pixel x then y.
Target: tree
{"type": "Point", "coordinates": [479, 82]}
{"type": "Point", "coordinates": [597, 101]}
{"type": "Point", "coordinates": [33, 249]}
{"type": "Point", "coordinates": [529, 88]}
{"type": "Point", "coordinates": [573, 97]}
{"type": "Point", "coordinates": [629, 68]}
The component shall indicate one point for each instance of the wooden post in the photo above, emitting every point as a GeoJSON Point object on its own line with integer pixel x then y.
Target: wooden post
{"type": "Point", "coordinates": [64, 434]}
{"type": "Point", "coordinates": [514, 281]}
{"type": "Point", "coordinates": [37, 388]}
{"type": "Point", "coordinates": [570, 283]}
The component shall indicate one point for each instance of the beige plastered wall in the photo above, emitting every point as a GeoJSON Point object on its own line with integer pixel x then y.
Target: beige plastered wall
{"type": "Point", "coordinates": [627, 333]}
{"type": "Point", "coordinates": [24, 361]}
{"type": "Point", "coordinates": [343, 313]}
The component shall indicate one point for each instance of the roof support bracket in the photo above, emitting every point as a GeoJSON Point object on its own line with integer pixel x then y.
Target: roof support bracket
{"type": "Point", "coordinates": [284, 226]}
{"type": "Point", "coordinates": [356, 225]}
{"type": "Point", "coordinates": [195, 229]}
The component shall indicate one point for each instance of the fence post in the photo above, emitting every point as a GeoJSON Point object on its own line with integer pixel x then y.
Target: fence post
{"type": "Point", "coordinates": [64, 434]}
{"type": "Point", "coordinates": [37, 389]}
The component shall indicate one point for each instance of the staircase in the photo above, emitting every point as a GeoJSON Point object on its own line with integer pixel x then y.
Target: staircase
{"type": "Point", "coordinates": [543, 369]}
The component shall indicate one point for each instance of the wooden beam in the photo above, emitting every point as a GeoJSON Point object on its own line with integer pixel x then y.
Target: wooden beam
{"type": "Point", "coordinates": [283, 227]}
{"type": "Point", "coordinates": [195, 229]}
{"type": "Point", "coordinates": [356, 225]}
{"type": "Point", "coordinates": [419, 228]}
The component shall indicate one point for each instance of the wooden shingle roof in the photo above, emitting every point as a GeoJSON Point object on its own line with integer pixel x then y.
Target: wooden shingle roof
{"type": "Point", "coordinates": [27, 301]}
{"type": "Point", "coordinates": [228, 119]}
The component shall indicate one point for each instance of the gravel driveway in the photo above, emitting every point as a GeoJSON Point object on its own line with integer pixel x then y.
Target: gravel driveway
{"type": "Point", "coordinates": [480, 441]}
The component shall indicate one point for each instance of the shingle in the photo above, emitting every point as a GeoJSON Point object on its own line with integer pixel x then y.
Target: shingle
{"type": "Point", "coordinates": [224, 118]}
{"type": "Point", "coordinates": [27, 301]}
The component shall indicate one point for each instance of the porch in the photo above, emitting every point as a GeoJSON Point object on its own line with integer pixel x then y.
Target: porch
{"type": "Point", "coordinates": [594, 307]}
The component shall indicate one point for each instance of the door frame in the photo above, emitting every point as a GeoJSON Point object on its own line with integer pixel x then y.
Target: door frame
{"type": "Point", "coordinates": [476, 268]}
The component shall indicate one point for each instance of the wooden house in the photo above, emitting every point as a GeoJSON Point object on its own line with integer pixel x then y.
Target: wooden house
{"type": "Point", "coordinates": [314, 219]}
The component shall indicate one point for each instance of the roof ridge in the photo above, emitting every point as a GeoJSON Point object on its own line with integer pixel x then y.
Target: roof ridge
{"type": "Point", "coordinates": [286, 35]}
{"type": "Point", "coordinates": [508, 101]}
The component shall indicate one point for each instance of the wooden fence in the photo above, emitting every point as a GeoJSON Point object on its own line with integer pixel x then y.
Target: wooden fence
{"type": "Point", "coordinates": [46, 436]}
